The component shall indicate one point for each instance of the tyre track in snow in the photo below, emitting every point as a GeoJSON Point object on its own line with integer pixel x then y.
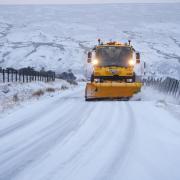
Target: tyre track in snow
{"type": "Point", "coordinates": [19, 159]}
{"type": "Point", "coordinates": [116, 142]}
{"type": "Point", "coordinates": [43, 112]}
{"type": "Point", "coordinates": [74, 162]}
{"type": "Point", "coordinates": [29, 120]}
{"type": "Point", "coordinates": [42, 130]}
{"type": "Point", "coordinates": [89, 151]}
{"type": "Point", "coordinates": [86, 151]}
{"type": "Point", "coordinates": [115, 165]}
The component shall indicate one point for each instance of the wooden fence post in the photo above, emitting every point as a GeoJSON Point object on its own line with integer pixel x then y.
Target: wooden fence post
{"type": "Point", "coordinates": [19, 76]}
{"type": "Point", "coordinates": [4, 78]}
{"type": "Point", "coordinates": [27, 76]}
{"type": "Point", "coordinates": [23, 76]}
{"type": "Point", "coordinates": [12, 78]}
{"type": "Point", "coordinates": [8, 74]}
{"type": "Point", "coordinates": [35, 75]}
{"type": "Point", "coordinates": [16, 75]}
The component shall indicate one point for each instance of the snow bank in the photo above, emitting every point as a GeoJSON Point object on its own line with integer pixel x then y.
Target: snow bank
{"type": "Point", "coordinates": [161, 100]}
{"type": "Point", "coordinates": [150, 94]}
{"type": "Point", "coordinates": [14, 93]}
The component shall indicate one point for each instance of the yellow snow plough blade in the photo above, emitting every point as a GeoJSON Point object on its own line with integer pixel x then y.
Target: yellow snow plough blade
{"type": "Point", "coordinates": [111, 90]}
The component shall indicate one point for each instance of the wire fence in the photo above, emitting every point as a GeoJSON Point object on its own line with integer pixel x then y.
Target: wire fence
{"type": "Point", "coordinates": [25, 75]}
{"type": "Point", "coordinates": [169, 86]}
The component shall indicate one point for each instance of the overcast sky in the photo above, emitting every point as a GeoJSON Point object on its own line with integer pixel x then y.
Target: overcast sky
{"type": "Point", "coordinates": [78, 1]}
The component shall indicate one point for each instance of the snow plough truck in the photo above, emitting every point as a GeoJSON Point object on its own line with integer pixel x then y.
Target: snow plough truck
{"type": "Point", "coordinates": [113, 75]}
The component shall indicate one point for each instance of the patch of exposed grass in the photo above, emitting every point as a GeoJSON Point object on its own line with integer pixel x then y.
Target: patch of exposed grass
{"type": "Point", "coordinates": [64, 87]}
{"type": "Point", "coordinates": [38, 93]}
{"type": "Point", "coordinates": [49, 89]}
{"type": "Point", "coordinates": [15, 98]}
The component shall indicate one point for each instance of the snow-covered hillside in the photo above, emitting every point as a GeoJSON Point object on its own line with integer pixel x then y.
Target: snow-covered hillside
{"type": "Point", "coordinates": [57, 37]}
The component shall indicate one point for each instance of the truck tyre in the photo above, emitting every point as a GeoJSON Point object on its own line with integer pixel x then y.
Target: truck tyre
{"type": "Point", "coordinates": [134, 78]}
{"type": "Point", "coordinates": [92, 78]}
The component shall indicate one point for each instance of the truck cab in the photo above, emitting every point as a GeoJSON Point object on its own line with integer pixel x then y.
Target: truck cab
{"type": "Point", "coordinates": [113, 61]}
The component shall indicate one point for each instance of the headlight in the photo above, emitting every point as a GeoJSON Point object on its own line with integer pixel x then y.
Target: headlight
{"type": "Point", "coordinates": [131, 62]}
{"type": "Point", "coordinates": [94, 61]}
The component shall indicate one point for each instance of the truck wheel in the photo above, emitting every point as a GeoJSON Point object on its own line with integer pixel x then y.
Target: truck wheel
{"type": "Point", "coordinates": [92, 78]}
{"type": "Point", "coordinates": [101, 80]}
{"type": "Point", "coordinates": [134, 78]}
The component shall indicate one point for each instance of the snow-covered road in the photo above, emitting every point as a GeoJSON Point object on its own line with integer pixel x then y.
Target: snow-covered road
{"type": "Point", "coordinates": [66, 138]}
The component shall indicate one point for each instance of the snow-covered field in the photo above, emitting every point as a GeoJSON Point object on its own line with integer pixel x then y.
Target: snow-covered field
{"type": "Point", "coordinates": [57, 37]}
{"type": "Point", "coordinates": [64, 137]}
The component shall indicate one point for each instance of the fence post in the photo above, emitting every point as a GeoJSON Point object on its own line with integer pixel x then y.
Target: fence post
{"type": "Point", "coordinates": [4, 78]}
{"type": "Point", "coordinates": [168, 85]}
{"type": "Point", "coordinates": [35, 75]}
{"type": "Point", "coordinates": [27, 76]}
{"type": "Point", "coordinates": [16, 75]}
{"type": "Point", "coordinates": [174, 88]}
{"type": "Point", "coordinates": [54, 78]}
{"type": "Point", "coordinates": [8, 74]}
{"type": "Point", "coordinates": [19, 76]}
{"type": "Point", "coordinates": [171, 87]}
{"type": "Point", "coordinates": [12, 78]}
{"type": "Point", "coordinates": [30, 76]}
{"type": "Point", "coordinates": [23, 76]}
{"type": "Point", "coordinates": [178, 90]}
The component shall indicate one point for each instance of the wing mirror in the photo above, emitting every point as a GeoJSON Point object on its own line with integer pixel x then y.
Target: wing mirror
{"type": "Point", "coordinates": [137, 58]}
{"type": "Point", "coordinates": [89, 57]}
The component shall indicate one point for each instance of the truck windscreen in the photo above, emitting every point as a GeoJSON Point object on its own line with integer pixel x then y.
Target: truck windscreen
{"type": "Point", "coordinates": [113, 56]}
